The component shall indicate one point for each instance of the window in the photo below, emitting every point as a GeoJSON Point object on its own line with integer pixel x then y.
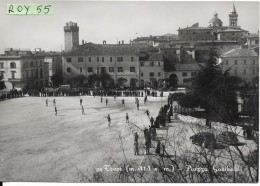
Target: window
{"type": "Point", "coordinates": [97, 59]}
{"type": "Point", "coordinates": [89, 59]}
{"type": "Point", "coordinates": [193, 73]}
{"type": "Point", "coordinates": [142, 74]}
{"type": "Point", "coordinates": [90, 69]}
{"type": "Point", "coordinates": [151, 64]}
{"type": "Point", "coordinates": [235, 62]}
{"type": "Point", "coordinates": [132, 59]}
{"type": "Point", "coordinates": [13, 74]}
{"type": "Point", "coordinates": [36, 63]}
{"type": "Point", "coordinates": [80, 59]}
{"type": "Point", "coordinates": [235, 71]}
{"type": "Point", "coordinates": [37, 74]}
{"type": "Point", "coordinates": [244, 62]}
{"type": "Point", "coordinates": [80, 69]}
{"type": "Point", "coordinates": [40, 63]}
{"type": "Point", "coordinates": [142, 64]}
{"type": "Point", "coordinates": [103, 59]}
{"type": "Point", "coordinates": [12, 65]}
{"type": "Point", "coordinates": [41, 73]}
{"type": "Point", "coordinates": [103, 69]}
{"type": "Point", "coordinates": [159, 74]}
{"type": "Point", "coordinates": [27, 74]}
{"type": "Point", "coordinates": [151, 74]}
{"type": "Point", "coordinates": [2, 73]}
{"type": "Point", "coordinates": [68, 59]}
{"type": "Point", "coordinates": [253, 62]}
{"type": "Point", "coordinates": [185, 80]}
{"type": "Point", "coordinates": [1, 65]}
{"type": "Point", "coordinates": [193, 33]}
{"type": "Point", "coordinates": [97, 70]}
{"type": "Point", "coordinates": [32, 74]}
{"type": "Point", "coordinates": [111, 69]}
{"type": "Point", "coordinates": [159, 64]}
{"type": "Point", "coordinates": [120, 59]}
{"type": "Point", "coordinates": [244, 71]}
{"type": "Point", "coordinates": [68, 69]}
{"type": "Point", "coordinates": [120, 69]}
{"type": "Point", "coordinates": [253, 71]}
{"type": "Point", "coordinates": [226, 62]}
{"type": "Point", "coordinates": [132, 69]}
{"type": "Point", "coordinates": [111, 59]}
{"type": "Point", "coordinates": [184, 74]}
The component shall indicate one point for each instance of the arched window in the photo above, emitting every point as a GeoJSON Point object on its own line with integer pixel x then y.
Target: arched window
{"type": "Point", "coordinates": [68, 69]}
{"type": "Point", "coordinates": [12, 65]}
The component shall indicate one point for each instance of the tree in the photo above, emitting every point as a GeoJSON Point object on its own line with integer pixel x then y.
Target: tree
{"type": "Point", "coordinates": [213, 89]}
{"type": "Point", "coordinates": [2, 82]}
{"type": "Point", "coordinates": [57, 79]}
{"type": "Point", "coordinates": [105, 79]}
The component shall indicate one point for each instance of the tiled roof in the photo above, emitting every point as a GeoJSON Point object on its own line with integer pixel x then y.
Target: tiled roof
{"type": "Point", "coordinates": [253, 35]}
{"type": "Point", "coordinates": [123, 49]}
{"type": "Point", "coordinates": [240, 53]}
{"type": "Point", "coordinates": [186, 67]}
{"type": "Point", "coordinates": [196, 28]}
{"type": "Point", "coordinates": [154, 56]}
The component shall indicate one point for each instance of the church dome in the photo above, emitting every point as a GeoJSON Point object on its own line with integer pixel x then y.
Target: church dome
{"type": "Point", "coordinates": [215, 21]}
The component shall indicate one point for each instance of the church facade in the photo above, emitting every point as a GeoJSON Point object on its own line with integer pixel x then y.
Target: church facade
{"type": "Point", "coordinates": [215, 30]}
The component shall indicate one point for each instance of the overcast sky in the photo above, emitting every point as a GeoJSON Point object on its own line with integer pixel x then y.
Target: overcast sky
{"type": "Point", "coordinates": [103, 20]}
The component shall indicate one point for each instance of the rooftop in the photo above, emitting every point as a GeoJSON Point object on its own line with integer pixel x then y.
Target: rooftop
{"type": "Point", "coordinates": [241, 52]}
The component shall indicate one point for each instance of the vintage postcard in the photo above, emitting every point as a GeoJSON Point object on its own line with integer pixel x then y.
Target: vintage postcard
{"type": "Point", "coordinates": [129, 91]}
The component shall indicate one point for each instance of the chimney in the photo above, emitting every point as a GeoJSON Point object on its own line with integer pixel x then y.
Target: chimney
{"type": "Point", "coordinates": [119, 42]}
{"type": "Point", "coordinates": [104, 42]}
{"type": "Point", "coordinates": [82, 41]}
{"type": "Point", "coordinates": [122, 42]}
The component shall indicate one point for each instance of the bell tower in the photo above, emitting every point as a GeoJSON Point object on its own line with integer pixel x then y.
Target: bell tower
{"type": "Point", "coordinates": [233, 17]}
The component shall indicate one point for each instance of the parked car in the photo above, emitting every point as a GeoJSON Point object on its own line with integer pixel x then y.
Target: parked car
{"type": "Point", "coordinates": [227, 137]}
{"type": "Point", "coordinates": [204, 139]}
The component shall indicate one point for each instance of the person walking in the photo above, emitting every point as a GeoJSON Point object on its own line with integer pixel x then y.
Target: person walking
{"type": "Point", "coordinates": [54, 102]}
{"type": "Point", "coordinates": [106, 101]}
{"type": "Point", "coordinates": [158, 148]}
{"type": "Point", "coordinates": [147, 112]}
{"type": "Point", "coordinates": [80, 101]}
{"type": "Point", "coordinates": [151, 121]}
{"type": "Point", "coordinates": [101, 99]}
{"type": "Point", "coordinates": [137, 105]}
{"type": "Point", "coordinates": [123, 102]}
{"type": "Point", "coordinates": [46, 102]}
{"type": "Point", "coordinates": [83, 111]}
{"type": "Point", "coordinates": [108, 120]}
{"type": "Point", "coordinates": [127, 118]}
{"type": "Point", "coordinates": [56, 112]}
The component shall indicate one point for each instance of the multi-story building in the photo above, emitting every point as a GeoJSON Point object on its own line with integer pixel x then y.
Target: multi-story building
{"type": "Point", "coordinates": [53, 63]}
{"type": "Point", "coordinates": [22, 69]}
{"type": "Point", "coordinates": [151, 69]}
{"type": "Point", "coordinates": [242, 62]}
{"type": "Point", "coordinates": [121, 62]}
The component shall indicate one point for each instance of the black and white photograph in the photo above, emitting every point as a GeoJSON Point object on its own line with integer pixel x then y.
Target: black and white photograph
{"type": "Point", "coordinates": [129, 91]}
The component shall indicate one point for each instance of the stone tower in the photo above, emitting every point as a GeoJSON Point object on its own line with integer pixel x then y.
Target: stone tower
{"type": "Point", "coordinates": [233, 17]}
{"type": "Point", "coordinates": [71, 34]}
